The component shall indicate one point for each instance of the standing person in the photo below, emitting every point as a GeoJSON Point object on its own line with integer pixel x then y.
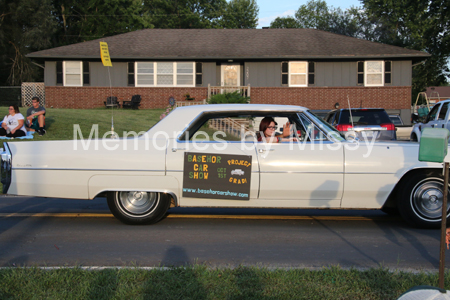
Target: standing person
{"type": "Point", "coordinates": [12, 125]}
{"type": "Point", "coordinates": [36, 117]}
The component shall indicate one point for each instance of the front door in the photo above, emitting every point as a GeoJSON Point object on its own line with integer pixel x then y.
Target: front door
{"type": "Point", "coordinates": [310, 171]}
{"type": "Point", "coordinates": [212, 173]}
{"type": "Point", "coordinates": [231, 76]}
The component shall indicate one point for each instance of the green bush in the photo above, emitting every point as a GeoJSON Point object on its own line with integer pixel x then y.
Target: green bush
{"type": "Point", "coordinates": [234, 97]}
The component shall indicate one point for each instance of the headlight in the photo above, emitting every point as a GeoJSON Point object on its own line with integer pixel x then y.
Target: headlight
{"type": "Point", "coordinates": [5, 165]}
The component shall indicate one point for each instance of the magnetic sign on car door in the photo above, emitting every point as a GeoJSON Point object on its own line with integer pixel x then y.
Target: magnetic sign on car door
{"type": "Point", "coordinates": [217, 176]}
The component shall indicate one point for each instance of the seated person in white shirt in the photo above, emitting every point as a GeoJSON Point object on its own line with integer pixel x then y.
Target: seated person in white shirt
{"type": "Point", "coordinates": [13, 123]}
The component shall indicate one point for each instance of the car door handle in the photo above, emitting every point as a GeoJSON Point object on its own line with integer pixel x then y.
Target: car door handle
{"type": "Point", "coordinates": [263, 150]}
{"type": "Point", "coordinates": [176, 149]}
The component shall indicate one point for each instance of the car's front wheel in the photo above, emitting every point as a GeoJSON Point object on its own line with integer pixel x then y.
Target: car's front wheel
{"type": "Point", "coordinates": [420, 199]}
{"type": "Point", "coordinates": [137, 207]}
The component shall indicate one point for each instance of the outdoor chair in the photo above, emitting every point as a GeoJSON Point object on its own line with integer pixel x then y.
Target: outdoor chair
{"type": "Point", "coordinates": [111, 102]}
{"type": "Point", "coordinates": [134, 103]}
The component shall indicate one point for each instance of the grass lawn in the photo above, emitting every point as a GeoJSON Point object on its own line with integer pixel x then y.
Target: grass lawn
{"type": "Point", "coordinates": [59, 122]}
{"type": "Point", "coordinates": [200, 282]}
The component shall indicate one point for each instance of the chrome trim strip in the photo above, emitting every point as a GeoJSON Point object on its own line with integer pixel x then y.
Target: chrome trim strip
{"type": "Point", "coordinates": [181, 171]}
{"type": "Point", "coordinates": [378, 173]}
{"type": "Point", "coordinates": [359, 129]}
{"type": "Point", "coordinates": [327, 142]}
{"type": "Point", "coordinates": [299, 172]}
{"type": "Point", "coordinates": [96, 170]}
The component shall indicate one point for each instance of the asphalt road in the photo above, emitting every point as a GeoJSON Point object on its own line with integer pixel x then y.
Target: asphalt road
{"type": "Point", "coordinates": [57, 232]}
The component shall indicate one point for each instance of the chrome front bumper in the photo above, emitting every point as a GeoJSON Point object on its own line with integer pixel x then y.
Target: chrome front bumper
{"type": "Point", "coordinates": [5, 166]}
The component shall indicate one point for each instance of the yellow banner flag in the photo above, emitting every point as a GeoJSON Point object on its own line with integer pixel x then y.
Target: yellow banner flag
{"type": "Point", "coordinates": [104, 53]}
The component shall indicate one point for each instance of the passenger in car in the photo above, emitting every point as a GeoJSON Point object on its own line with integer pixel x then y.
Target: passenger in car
{"type": "Point", "coordinates": [267, 134]}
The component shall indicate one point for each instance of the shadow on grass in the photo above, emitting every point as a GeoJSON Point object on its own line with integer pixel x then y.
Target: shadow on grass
{"type": "Point", "coordinates": [49, 121]}
{"type": "Point", "coordinates": [104, 285]}
{"type": "Point", "coordinates": [180, 281]}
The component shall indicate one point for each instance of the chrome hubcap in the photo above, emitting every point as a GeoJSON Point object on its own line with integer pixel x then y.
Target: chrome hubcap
{"type": "Point", "coordinates": [428, 198]}
{"type": "Point", "coordinates": [137, 203]}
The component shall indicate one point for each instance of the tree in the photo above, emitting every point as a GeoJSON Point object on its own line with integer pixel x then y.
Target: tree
{"type": "Point", "coordinates": [241, 14]}
{"type": "Point", "coordinates": [284, 22]}
{"type": "Point", "coordinates": [185, 13]}
{"type": "Point", "coordinates": [25, 26]}
{"type": "Point", "coordinates": [313, 14]}
{"type": "Point", "coordinates": [418, 25]}
{"type": "Point", "coordinates": [83, 20]}
{"type": "Point", "coordinates": [317, 14]}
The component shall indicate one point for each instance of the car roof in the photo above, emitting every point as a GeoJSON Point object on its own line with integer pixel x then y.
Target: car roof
{"type": "Point", "coordinates": [360, 108]}
{"type": "Point", "coordinates": [242, 107]}
{"type": "Point", "coordinates": [181, 117]}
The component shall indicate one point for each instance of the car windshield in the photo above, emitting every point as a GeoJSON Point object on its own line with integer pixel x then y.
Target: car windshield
{"type": "Point", "coordinates": [331, 131]}
{"type": "Point", "coordinates": [365, 117]}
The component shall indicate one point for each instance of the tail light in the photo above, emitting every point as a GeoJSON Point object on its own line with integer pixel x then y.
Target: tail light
{"type": "Point", "coordinates": [343, 127]}
{"type": "Point", "coordinates": [388, 126]}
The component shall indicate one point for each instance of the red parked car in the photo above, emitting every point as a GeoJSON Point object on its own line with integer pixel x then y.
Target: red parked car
{"type": "Point", "coordinates": [368, 122]}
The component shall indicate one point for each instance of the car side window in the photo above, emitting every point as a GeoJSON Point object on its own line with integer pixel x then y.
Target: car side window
{"type": "Point", "coordinates": [222, 129]}
{"type": "Point", "coordinates": [312, 132]}
{"type": "Point", "coordinates": [432, 115]}
{"type": "Point", "coordinates": [245, 127]}
{"type": "Point", "coordinates": [443, 111]}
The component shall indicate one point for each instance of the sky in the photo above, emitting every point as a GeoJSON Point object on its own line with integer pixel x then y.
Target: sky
{"type": "Point", "coordinates": [270, 9]}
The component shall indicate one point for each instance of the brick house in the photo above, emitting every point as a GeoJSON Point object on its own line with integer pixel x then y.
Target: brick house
{"type": "Point", "coordinates": [306, 67]}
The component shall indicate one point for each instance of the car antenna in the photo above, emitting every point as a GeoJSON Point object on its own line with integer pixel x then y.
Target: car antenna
{"type": "Point", "coordinates": [350, 111]}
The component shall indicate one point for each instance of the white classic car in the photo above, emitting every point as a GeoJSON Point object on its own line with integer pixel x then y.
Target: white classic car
{"type": "Point", "coordinates": [188, 157]}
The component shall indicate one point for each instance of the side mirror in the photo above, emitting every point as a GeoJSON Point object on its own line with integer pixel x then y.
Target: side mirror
{"type": "Point", "coordinates": [351, 136]}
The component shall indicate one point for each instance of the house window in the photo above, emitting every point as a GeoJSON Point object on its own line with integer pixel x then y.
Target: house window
{"type": "Point", "coordinates": [59, 73]}
{"type": "Point", "coordinates": [311, 71]}
{"type": "Point", "coordinates": [373, 72]}
{"type": "Point", "coordinates": [165, 74]}
{"type": "Point", "coordinates": [387, 72]}
{"type": "Point", "coordinates": [198, 73]}
{"type": "Point", "coordinates": [298, 73]}
{"type": "Point", "coordinates": [145, 74]}
{"type": "Point", "coordinates": [360, 73]}
{"type": "Point", "coordinates": [86, 77]}
{"type": "Point", "coordinates": [284, 73]}
{"type": "Point", "coordinates": [131, 74]}
{"type": "Point", "coordinates": [184, 74]}
{"type": "Point", "coordinates": [72, 73]}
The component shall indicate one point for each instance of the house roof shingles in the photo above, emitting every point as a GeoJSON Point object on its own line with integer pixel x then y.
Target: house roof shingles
{"type": "Point", "coordinates": [185, 44]}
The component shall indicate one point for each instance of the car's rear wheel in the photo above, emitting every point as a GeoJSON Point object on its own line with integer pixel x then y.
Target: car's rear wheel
{"type": "Point", "coordinates": [137, 207]}
{"type": "Point", "coordinates": [421, 197]}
